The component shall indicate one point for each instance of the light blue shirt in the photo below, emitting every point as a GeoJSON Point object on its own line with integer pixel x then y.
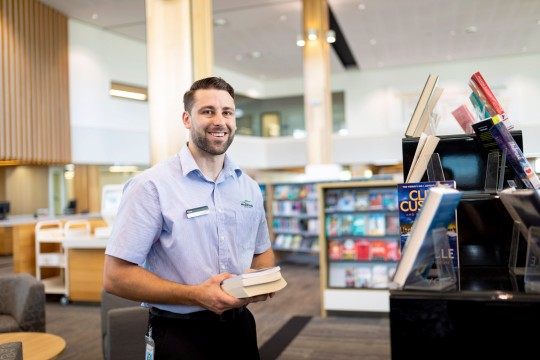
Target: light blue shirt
{"type": "Point", "coordinates": [152, 229]}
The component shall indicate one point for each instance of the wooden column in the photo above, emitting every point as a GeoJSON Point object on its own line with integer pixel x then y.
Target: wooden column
{"type": "Point", "coordinates": [179, 47]}
{"type": "Point", "coordinates": [317, 92]}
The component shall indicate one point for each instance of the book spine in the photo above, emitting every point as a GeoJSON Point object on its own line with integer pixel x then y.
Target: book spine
{"type": "Point", "coordinates": [515, 156]}
{"type": "Point", "coordinates": [496, 107]}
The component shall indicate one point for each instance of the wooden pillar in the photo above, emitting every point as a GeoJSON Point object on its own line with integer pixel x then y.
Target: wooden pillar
{"type": "Point", "coordinates": [179, 48]}
{"type": "Point", "coordinates": [317, 92]}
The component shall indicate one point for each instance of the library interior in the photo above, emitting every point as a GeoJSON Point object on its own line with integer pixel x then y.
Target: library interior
{"type": "Point", "coordinates": [396, 154]}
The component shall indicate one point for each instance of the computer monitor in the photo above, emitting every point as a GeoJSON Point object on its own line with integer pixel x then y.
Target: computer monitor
{"type": "Point", "coordinates": [110, 201]}
{"type": "Point", "coordinates": [4, 209]}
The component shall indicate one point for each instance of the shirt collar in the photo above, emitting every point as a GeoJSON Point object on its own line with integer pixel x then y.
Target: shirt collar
{"type": "Point", "coordinates": [189, 165]}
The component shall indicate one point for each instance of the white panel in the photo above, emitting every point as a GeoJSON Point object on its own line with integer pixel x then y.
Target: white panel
{"type": "Point", "coordinates": [357, 300]}
{"type": "Point", "coordinates": [106, 146]}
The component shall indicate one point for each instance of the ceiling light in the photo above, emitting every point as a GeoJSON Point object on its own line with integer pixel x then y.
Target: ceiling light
{"type": "Point", "coordinates": [220, 22]}
{"type": "Point", "coordinates": [283, 18]}
{"type": "Point", "coordinates": [95, 16]}
{"type": "Point", "coordinates": [312, 34]}
{"type": "Point", "coordinates": [372, 42]}
{"type": "Point", "coordinates": [452, 32]}
{"type": "Point", "coordinates": [256, 54]}
{"type": "Point", "coordinates": [331, 36]}
{"type": "Point", "coordinates": [471, 29]}
{"type": "Point", "coordinates": [128, 91]}
{"type": "Point", "coordinates": [300, 40]}
{"type": "Point", "coordinates": [361, 6]}
{"type": "Point", "coordinates": [123, 168]}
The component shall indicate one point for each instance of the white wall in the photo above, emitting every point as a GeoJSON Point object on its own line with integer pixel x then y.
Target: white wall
{"type": "Point", "coordinates": [378, 104]}
{"type": "Point", "coordinates": [104, 129]}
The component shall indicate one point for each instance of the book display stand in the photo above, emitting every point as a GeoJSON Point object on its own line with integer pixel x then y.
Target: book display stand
{"type": "Point", "coordinates": [531, 271]}
{"type": "Point", "coordinates": [514, 246]}
{"type": "Point", "coordinates": [532, 266]}
{"type": "Point", "coordinates": [443, 276]}
{"type": "Point", "coordinates": [494, 181]}
{"type": "Point", "coordinates": [434, 168]}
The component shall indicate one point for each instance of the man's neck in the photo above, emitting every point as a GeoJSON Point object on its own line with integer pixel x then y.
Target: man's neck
{"type": "Point", "coordinates": [210, 165]}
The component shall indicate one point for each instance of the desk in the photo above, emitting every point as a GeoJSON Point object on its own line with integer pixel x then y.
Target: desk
{"type": "Point", "coordinates": [36, 345]}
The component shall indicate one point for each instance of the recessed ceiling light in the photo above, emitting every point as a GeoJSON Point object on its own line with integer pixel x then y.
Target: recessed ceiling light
{"type": "Point", "coordinates": [283, 18]}
{"type": "Point", "coordinates": [220, 22]}
{"type": "Point", "coordinates": [372, 41]}
{"type": "Point", "coordinates": [361, 6]}
{"type": "Point", "coordinates": [95, 16]}
{"type": "Point", "coordinates": [452, 32]}
{"type": "Point", "coordinates": [256, 54]}
{"type": "Point", "coordinates": [524, 49]}
{"type": "Point", "coordinates": [239, 57]}
{"type": "Point", "coordinates": [471, 29]}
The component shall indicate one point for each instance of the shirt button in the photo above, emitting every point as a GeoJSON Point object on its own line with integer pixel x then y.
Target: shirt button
{"type": "Point", "coordinates": [222, 238]}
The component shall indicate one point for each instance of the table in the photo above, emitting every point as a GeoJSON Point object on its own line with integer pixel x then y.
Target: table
{"type": "Point", "coordinates": [36, 345]}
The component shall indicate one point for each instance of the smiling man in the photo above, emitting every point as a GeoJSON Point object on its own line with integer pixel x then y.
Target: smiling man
{"type": "Point", "coordinates": [182, 228]}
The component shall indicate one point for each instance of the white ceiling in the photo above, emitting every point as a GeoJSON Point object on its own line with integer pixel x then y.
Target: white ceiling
{"type": "Point", "coordinates": [405, 32]}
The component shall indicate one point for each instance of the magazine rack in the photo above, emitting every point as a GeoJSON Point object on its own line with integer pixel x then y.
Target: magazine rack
{"type": "Point", "coordinates": [443, 277]}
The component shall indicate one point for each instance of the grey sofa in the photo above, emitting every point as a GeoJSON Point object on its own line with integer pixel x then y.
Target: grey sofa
{"type": "Point", "coordinates": [22, 303]}
{"type": "Point", "coordinates": [123, 327]}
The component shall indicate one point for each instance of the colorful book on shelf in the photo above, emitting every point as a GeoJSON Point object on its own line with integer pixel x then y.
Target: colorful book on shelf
{"type": "Point", "coordinates": [465, 118]}
{"type": "Point", "coordinates": [411, 197]}
{"type": "Point", "coordinates": [421, 104]}
{"type": "Point", "coordinates": [480, 87]}
{"type": "Point", "coordinates": [258, 282]}
{"type": "Point", "coordinates": [418, 255]}
{"type": "Point", "coordinates": [479, 107]}
{"type": "Point", "coordinates": [514, 155]}
{"type": "Point", "coordinates": [424, 150]}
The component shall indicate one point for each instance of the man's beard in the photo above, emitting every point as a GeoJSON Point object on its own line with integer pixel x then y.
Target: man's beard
{"type": "Point", "coordinates": [203, 143]}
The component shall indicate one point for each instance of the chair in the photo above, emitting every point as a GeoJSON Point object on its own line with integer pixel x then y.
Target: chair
{"type": "Point", "coordinates": [11, 351]}
{"type": "Point", "coordinates": [123, 327]}
{"type": "Point", "coordinates": [22, 303]}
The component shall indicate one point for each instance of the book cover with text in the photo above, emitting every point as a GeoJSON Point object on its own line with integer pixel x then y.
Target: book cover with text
{"type": "Point", "coordinates": [411, 197]}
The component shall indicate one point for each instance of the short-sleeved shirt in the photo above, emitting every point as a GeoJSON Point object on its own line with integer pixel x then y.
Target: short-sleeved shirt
{"type": "Point", "coordinates": [152, 228]}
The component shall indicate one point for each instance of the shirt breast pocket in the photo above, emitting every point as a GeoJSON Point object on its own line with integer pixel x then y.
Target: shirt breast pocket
{"type": "Point", "coordinates": [247, 226]}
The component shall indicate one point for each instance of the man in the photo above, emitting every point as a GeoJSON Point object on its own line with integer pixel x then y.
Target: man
{"type": "Point", "coordinates": [183, 227]}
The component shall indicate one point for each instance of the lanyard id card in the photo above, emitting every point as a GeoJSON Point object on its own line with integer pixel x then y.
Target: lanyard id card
{"type": "Point", "coordinates": [149, 348]}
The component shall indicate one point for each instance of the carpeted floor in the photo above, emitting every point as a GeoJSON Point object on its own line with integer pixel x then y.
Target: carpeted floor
{"type": "Point", "coordinates": [274, 346]}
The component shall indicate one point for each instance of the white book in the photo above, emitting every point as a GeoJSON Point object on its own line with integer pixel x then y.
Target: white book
{"type": "Point", "coordinates": [258, 282]}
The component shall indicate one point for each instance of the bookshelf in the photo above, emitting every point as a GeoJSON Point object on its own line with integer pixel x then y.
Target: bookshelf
{"type": "Point", "coordinates": [359, 241]}
{"type": "Point", "coordinates": [293, 221]}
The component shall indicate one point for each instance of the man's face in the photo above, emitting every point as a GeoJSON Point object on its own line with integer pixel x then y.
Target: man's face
{"type": "Point", "coordinates": [212, 121]}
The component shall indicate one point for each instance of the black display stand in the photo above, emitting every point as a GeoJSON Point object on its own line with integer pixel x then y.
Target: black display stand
{"type": "Point", "coordinates": [488, 316]}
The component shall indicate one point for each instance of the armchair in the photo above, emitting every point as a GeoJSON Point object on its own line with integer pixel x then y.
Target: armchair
{"type": "Point", "coordinates": [123, 327]}
{"type": "Point", "coordinates": [22, 303]}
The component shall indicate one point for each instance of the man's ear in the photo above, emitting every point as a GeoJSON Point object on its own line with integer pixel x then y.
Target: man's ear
{"type": "Point", "coordinates": [186, 119]}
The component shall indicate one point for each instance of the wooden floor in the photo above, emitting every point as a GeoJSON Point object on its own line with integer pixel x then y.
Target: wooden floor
{"type": "Point", "coordinates": [333, 337]}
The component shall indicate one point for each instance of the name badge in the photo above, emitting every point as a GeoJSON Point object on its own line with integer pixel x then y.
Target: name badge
{"type": "Point", "coordinates": [203, 210]}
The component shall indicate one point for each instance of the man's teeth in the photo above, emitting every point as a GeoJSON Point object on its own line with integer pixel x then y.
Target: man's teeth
{"type": "Point", "coordinates": [219, 134]}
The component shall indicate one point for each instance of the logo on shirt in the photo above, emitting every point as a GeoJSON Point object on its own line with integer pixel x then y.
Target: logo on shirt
{"type": "Point", "coordinates": [246, 203]}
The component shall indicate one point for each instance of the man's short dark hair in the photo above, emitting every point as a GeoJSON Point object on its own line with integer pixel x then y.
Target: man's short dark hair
{"type": "Point", "coordinates": [206, 83]}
